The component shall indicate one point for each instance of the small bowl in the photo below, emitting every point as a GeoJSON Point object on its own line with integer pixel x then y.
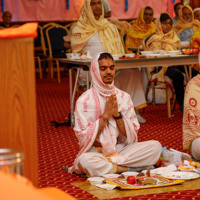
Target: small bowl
{"type": "Point", "coordinates": [69, 55]}
{"type": "Point", "coordinates": [154, 55]}
{"type": "Point", "coordinates": [177, 52]}
{"type": "Point", "coordinates": [160, 51]}
{"type": "Point", "coordinates": [116, 57]}
{"type": "Point", "coordinates": [144, 53]}
{"type": "Point", "coordinates": [76, 55]}
{"type": "Point", "coordinates": [130, 55]}
{"type": "Point", "coordinates": [96, 180]}
{"type": "Point", "coordinates": [111, 176]}
{"type": "Point", "coordinates": [127, 174]}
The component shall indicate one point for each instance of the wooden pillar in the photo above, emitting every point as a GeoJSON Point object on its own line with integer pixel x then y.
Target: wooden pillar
{"type": "Point", "coordinates": [18, 101]}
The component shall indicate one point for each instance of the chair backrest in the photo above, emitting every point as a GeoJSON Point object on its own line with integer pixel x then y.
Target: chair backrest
{"type": "Point", "coordinates": [39, 43]}
{"type": "Point", "coordinates": [145, 40]}
{"type": "Point", "coordinates": [44, 37]}
{"type": "Point", "coordinates": [37, 40]}
{"type": "Point", "coordinates": [70, 25]}
{"type": "Point", "coordinates": [55, 41]}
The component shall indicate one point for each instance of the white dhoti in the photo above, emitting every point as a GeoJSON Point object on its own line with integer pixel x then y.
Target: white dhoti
{"type": "Point", "coordinates": [130, 81]}
{"type": "Point", "coordinates": [140, 154]}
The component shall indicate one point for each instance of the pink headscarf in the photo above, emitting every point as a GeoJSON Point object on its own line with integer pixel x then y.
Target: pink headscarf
{"type": "Point", "coordinates": [103, 89]}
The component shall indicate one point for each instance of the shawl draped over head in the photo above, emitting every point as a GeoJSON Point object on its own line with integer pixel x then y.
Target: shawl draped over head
{"type": "Point", "coordinates": [162, 41]}
{"type": "Point", "coordinates": [191, 122]}
{"type": "Point", "coordinates": [182, 24]}
{"type": "Point", "coordinates": [90, 107]}
{"type": "Point", "coordinates": [87, 26]}
{"type": "Point", "coordinates": [138, 31]}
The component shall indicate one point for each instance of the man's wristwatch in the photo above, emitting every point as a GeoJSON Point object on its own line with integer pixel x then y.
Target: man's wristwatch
{"type": "Point", "coordinates": [119, 117]}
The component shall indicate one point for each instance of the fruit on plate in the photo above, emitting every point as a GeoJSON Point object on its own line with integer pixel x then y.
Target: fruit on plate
{"type": "Point", "coordinates": [131, 179]}
{"type": "Point", "coordinates": [195, 164]}
{"type": "Point", "coordinates": [147, 181]}
{"type": "Point", "coordinates": [187, 52]}
{"type": "Point", "coordinates": [122, 57]}
{"type": "Point", "coordinates": [195, 51]}
{"type": "Point", "coordinates": [186, 168]}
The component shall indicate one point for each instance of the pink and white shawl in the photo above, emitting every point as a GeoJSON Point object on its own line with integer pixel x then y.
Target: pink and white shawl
{"type": "Point", "coordinates": [90, 107]}
{"type": "Point", "coordinates": [191, 115]}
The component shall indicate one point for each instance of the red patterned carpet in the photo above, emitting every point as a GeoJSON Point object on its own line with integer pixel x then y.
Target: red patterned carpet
{"type": "Point", "coordinates": [58, 146]}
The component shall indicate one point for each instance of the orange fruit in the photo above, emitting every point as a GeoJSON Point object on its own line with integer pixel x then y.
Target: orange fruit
{"type": "Point", "coordinates": [187, 52]}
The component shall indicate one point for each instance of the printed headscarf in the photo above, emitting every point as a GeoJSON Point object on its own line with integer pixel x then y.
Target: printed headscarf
{"type": "Point", "coordinates": [87, 26]}
{"type": "Point", "coordinates": [138, 31]}
{"type": "Point", "coordinates": [162, 41]}
{"type": "Point", "coordinates": [182, 24]}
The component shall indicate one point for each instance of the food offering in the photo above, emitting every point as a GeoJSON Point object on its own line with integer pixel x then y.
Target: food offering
{"type": "Point", "coordinates": [189, 51]}
{"type": "Point", "coordinates": [189, 166]}
{"type": "Point", "coordinates": [194, 163]}
{"type": "Point", "coordinates": [180, 175]}
{"type": "Point", "coordinates": [186, 168]}
{"type": "Point", "coordinates": [142, 181]}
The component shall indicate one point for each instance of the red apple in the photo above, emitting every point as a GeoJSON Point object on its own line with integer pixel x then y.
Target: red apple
{"type": "Point", "coordinates": [130, 179]}
{"type": "Point", "coordinates": [195, 51]}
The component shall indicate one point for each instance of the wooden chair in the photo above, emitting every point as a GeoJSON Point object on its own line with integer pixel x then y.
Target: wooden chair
{"type": "Point", "coordinates": [167, 87]}
{"type": "Point", "coordinates": [41, 47]}
{"type": "Point", "coordinates": [56, 47]}
{"type": "Point", "coordinates": [39, 50]}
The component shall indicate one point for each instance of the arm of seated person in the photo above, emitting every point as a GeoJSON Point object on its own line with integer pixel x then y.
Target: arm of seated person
{"type": "Point", "coordinates": [111, 110]}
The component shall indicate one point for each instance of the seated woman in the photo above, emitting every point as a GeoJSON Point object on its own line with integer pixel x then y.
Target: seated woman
{"type": "Point", "coordinates": [166, 39]}
{"type": "Point", "coordinates": [191, 117]}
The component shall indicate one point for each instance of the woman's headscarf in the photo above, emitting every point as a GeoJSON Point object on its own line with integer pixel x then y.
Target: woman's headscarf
{"type": "Point", "coordinates": [138, 31]}
{"type": "Point", "coordinates": [163, 41]}
{"type": "Point", "coordinates": [182, 24]}
{"type": "Point", "coordinates": [87, 26]}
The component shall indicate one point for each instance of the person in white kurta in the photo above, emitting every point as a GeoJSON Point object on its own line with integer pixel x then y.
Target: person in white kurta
{"type": "Point", "coordinates": [94, 33]}
{"type": "Point", "coordinates": [191, 117]}
{"type": "Point", "coordinates": [106, 127]}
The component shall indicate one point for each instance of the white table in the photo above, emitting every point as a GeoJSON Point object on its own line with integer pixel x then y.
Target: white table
{"type": "Point", "coordinates": [128, 64]}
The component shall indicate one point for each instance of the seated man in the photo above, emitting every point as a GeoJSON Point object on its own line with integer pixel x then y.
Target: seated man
{"type": "Point", "coordinates": [106, 127]}
{"type": "Point", "coordinates": [186, 25]}
{"type": "Point", "coordinates": [7, 18]}
{"type": "Point", "coordinates": [140, 29]}
{"type": "Point", "coordinates": [95, 34]}
{"type": "Point", "coordinates": [191, 117]}
{"type": "Point", "coordinates": [185, 28]}
{"type": "Point", "coordinates": [177, 7]}
{"type": "Point", "coordinates": [166, 39]}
